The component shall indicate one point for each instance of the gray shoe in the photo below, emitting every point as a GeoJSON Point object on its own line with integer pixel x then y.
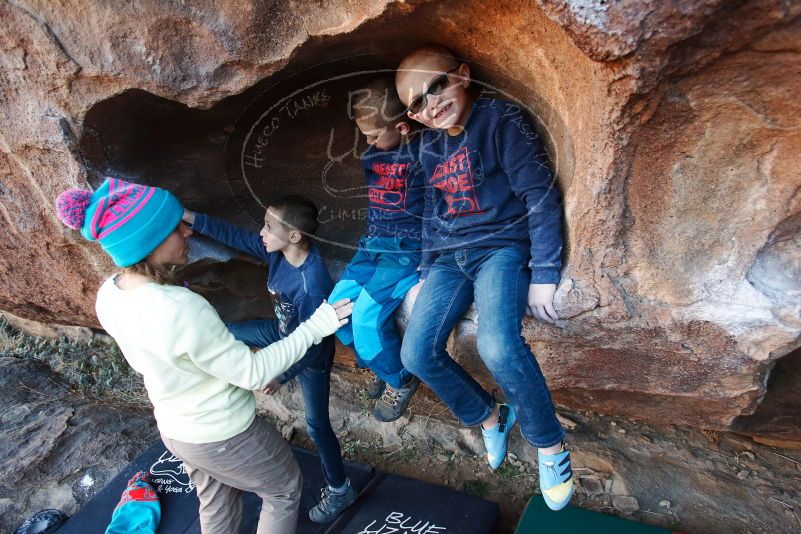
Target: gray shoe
{"type": "Point", "coordinates": [394, 401]}
{"type": "Point", "coordinates": [375, 387]}
{"type": "Point", "coordinates": [332, 504]}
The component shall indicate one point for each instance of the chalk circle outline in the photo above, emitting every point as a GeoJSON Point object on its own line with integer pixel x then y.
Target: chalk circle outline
{"type": "Point", "coordinates": [537, 119]}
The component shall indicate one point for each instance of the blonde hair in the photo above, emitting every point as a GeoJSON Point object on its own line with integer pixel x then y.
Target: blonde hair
{"type": "Point", "coordinates": [159, 275]}
{"type": "Point", "coordinates": [379, 100]}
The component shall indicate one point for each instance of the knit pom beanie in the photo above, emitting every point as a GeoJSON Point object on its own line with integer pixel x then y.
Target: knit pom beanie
{"type": "Point", "coordinates": [128, 220]}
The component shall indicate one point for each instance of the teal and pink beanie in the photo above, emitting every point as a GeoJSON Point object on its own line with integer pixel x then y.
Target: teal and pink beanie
{"type": "Point", "coordinates": [128, 220]}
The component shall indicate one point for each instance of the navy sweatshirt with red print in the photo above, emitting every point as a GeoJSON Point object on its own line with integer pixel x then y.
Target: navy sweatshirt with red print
{"type": "Point", "coordinates": [296, 291]}
{"type": "Point", "coordinates": [395, 189]}
{"type": "Point", "coordinates": [492, 185]}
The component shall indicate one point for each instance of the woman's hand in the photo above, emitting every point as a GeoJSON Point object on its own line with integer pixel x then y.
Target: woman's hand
{"type": "Point", "coordinates": [188, 217]}
{"type": "Point", "coordinates": [343, 308]}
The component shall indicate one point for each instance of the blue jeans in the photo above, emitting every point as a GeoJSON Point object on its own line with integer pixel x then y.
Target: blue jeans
{"type": "Point", "coordinates": [315, 382]}
{"type": "Point", "coordinates": [380, 274]}
{"type": "Point", "coordinates": [497, 279]}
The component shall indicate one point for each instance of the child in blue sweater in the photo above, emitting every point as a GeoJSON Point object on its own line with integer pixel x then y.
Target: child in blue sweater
{"type": "Point", "coordinates": [298, 281]}
{"type": "Point", "coordinates": [493, 213]}
{"type": "Point", "coordinates": [385, 265]}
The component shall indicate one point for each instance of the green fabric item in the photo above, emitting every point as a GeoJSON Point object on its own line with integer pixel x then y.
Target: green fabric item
{"type": "Point", "coordinates": [537, 518]}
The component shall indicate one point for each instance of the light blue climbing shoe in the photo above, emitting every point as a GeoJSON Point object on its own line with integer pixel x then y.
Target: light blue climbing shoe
{"type": "Point", "coordinates": [556, 478]}
{"type": "Point", "coordinates": [495, 438]}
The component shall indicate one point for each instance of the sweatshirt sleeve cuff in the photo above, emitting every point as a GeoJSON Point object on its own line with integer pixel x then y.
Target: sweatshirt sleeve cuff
{"type": "Point", "coordinates": [545, 276]}
{"type": "Point", "coordinates": [323, 322]}
{"type": "Point", "coordinates": [199, 225]}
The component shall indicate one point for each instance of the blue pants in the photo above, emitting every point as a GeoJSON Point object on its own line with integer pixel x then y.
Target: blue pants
{"type": "Point", "coordinates": [383, 270]}
{"type": "Point", "coordinates": [497, 279]}
{"type": "Point", "coordinates": [315, 382]}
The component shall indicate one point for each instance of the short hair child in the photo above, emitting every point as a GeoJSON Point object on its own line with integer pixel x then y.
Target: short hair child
{"type": "Point", "coordinates": [298, 281]}
{"type": "Point", "coordinates": [385, 266]}
{"type": "Point", "coordinates": [298, 212]}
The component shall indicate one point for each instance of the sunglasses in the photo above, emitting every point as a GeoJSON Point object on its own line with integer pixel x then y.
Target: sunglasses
{"type": "Point", "coordinates": [437, 85]}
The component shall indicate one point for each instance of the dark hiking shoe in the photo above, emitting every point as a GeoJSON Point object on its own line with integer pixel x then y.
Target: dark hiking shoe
{"type": "Point", "coordinates": [394, 401]}
{"type": "Point", "coordinates": [375, 387]}
{"type": "Point", "coordinates": [332, 504]}
{"type": "Point", "coordinates": [44, 522]}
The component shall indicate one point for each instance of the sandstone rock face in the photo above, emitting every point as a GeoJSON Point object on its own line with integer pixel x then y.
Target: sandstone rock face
{"type": "Point", "coordinates": [673, 127]}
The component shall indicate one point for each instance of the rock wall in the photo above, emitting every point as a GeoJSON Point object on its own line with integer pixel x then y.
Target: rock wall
{"type": "Point", "coordinates": [674, 129]}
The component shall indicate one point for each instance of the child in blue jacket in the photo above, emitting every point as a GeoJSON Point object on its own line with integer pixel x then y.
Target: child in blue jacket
{"type": "Point", "coordinates": [298, 281]}
{"type": "Point", "coordinates": [385, 266]}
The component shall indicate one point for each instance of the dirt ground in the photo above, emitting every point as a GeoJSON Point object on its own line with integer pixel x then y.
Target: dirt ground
{"type": "Point", "coordinates": [682, 479]}
{"type": "Point", "coordinates": [685, 479]}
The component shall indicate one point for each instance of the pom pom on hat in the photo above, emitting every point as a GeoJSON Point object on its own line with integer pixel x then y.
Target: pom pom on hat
{"type": "Point", "coordinates": [71, 206]}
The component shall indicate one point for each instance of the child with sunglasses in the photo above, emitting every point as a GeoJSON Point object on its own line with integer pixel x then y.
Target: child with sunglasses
{"type": "Point", "coordinates": [496, 222]}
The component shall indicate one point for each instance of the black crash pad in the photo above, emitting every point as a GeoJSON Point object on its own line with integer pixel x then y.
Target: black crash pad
{"type": "Point", "coordinates": [387, 503]}
{"type": "Point", "coordinates": [179, 504]}
{"type": "Point", "coordinates": [402, 505]}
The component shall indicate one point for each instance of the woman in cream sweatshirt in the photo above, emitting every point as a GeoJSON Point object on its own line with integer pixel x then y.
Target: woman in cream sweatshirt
{"type": "Point", "coordinates": [198, 377]}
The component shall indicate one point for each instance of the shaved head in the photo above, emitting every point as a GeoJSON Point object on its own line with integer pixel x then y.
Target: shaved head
{"type": "Point", "coordinates": [430, 58]}
{"type": "Point", "coordinates": [433, 85]}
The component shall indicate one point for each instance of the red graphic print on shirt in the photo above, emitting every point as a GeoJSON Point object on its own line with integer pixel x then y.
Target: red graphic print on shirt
{"type": "Point", "coordinates": [454, 179]}
{"type": "Point", "coordinates": [388, 189]}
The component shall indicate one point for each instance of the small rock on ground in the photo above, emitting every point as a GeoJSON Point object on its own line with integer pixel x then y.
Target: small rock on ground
{"type": "Point", "coordinates": [625, 504]}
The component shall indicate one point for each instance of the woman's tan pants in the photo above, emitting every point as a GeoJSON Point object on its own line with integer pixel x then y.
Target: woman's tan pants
{"type": "Point", "coordinates": [257, 460]}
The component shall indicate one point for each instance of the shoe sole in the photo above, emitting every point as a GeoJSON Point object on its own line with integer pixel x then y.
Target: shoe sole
{"type": "Point", "coordinates": [403, 406]}
{"type": "Point", "coordinates": [555, 506]}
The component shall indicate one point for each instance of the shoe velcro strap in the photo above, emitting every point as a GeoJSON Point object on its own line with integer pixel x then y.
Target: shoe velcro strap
{"type": "Point", "coordinates": [568, 470]}
{"type": "Point", "coordinates": [503, 414]}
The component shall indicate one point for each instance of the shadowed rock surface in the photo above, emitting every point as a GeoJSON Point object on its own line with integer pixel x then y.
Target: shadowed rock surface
{"type": "Point", "coordinates": [58, 449]}
{"type": "Point", "coordinates": [673, 127]}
